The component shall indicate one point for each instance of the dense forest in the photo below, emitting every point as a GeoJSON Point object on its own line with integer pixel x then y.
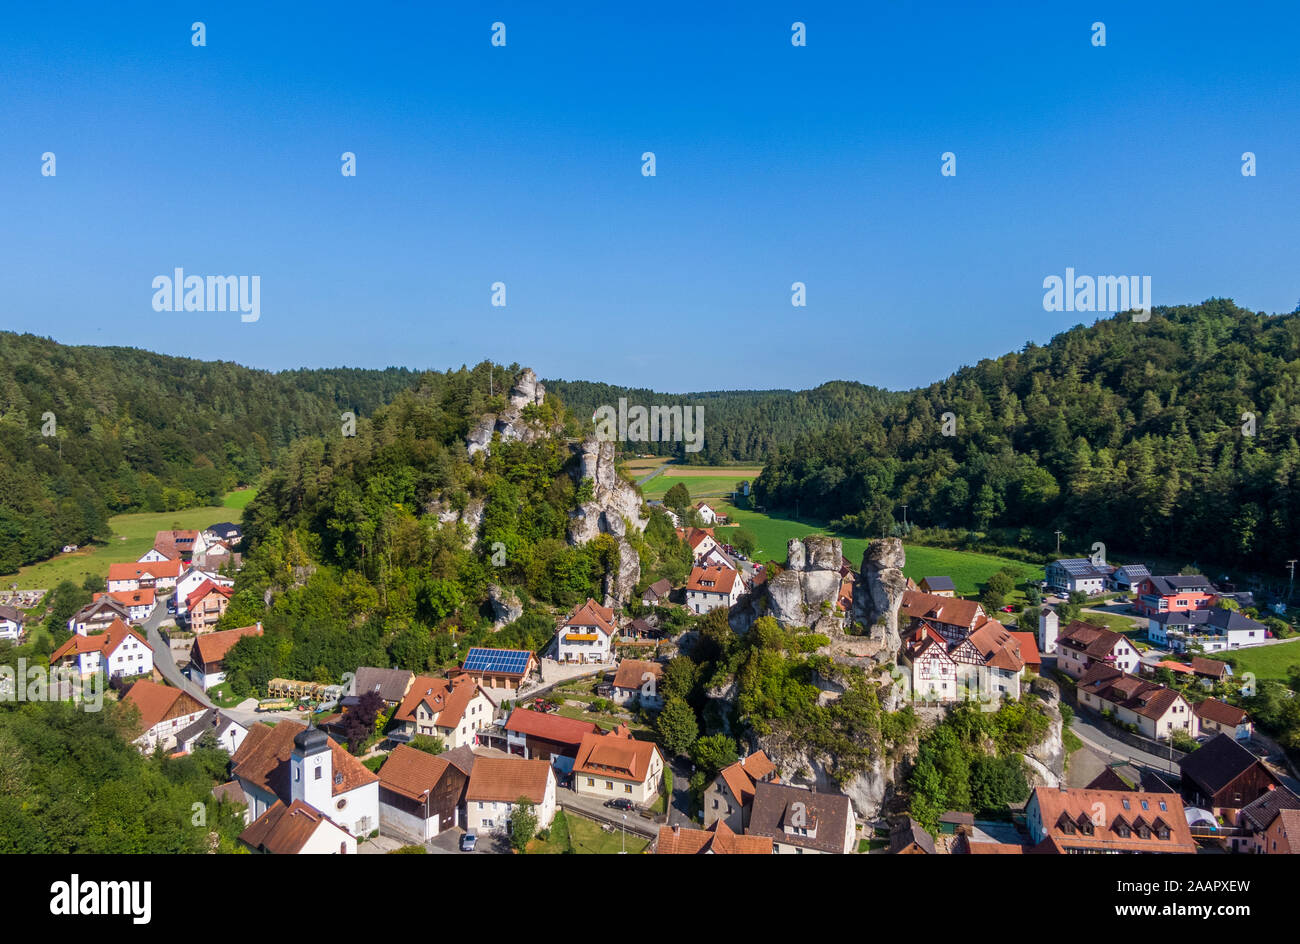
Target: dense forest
{"type": "Point", "coordinates": [1130, 434]}
{"type": "Point", "coordinates": [739, 425]}
{"type": "Point", "coordinates": [135, 431]}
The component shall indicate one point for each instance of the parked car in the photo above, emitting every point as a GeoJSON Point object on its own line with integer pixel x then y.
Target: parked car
{"type": "Point", "coordinates": [1008, 609]}
{"type": "Point", "coordinates": [621, 803]}
{"type": "Point", "coordinates": [468, 842]}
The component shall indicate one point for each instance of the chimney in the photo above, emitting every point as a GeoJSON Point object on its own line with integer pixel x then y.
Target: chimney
{"type": "Point", "coordinates": [677, 829]}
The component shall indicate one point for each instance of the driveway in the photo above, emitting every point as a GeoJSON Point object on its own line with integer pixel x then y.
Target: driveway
{"type": "Point", "coordinates": [594, 808]}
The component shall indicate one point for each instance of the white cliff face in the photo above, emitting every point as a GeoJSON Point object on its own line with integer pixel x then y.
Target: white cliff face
{"type": "Point", "coordinates": [613, 504]}
{"type": "Point", "coordinates": [509, 423]}
{"type": "Point", "coordinates": [879, 592]}
{"type": "Point", "coordinates": [806, 591]}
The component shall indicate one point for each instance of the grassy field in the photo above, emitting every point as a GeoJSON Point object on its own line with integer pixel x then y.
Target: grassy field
{"type": "Point", "coordinates": [1267, 662]}
{"type": "Point", "coordinates": [585, 837]}
{"type": "Point", "coordinates": [132, 536]}
{"type": "Point", "coordinates": [968, 570]}
{"type": "Point", "coordinates": [703, 481]}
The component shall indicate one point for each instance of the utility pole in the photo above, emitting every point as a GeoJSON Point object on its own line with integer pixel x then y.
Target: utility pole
{"type": "Point", "coordinates": [904, 519]}
{"type": "Point", "coordinates": [1058, 542]}
{"type": "Point", "coordinates": [1290, 586]}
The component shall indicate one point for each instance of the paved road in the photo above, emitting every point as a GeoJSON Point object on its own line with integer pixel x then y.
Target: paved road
{"type": "Point", "coordinates": [162, 655]}
{"type": "Point", "coordinates": [594, 808]}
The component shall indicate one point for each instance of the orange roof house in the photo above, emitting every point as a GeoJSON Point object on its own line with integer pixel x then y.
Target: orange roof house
{"type": "Point", "coordinates": [1071, 821]}
{"type": "Point", "coordinates": [90, 653]}
{"type": "Point", "coordinates": [718, 839]}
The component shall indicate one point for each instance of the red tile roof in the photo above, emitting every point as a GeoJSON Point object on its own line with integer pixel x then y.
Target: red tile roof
{"type": "Point", "coordinates": [615, 755]}
{"type": "Point", "coordinates": [159, 703]}
{"type": "Point", "coordinates": [632, 673]}
{"type": "Point", "coordinates": [951, 611]}
{"type": "Point", "coordinates": [592, 613]}
{"type": "Point", "coordinates": [263, 760]}
{"type": "Point", "coordinates": [506, 779]}
{"type": "Point", "coordinates": [205, 588]}
{"type": "Point", "coordinates": [1221, 712]}
{"type": "Point", "coordinates": [134, 570]}
{"type": "Point", "coordinates": [285, 830]}
{"type": "Point", "coordinates": [445, 699]}
{"type": "Point", "coordinates": [718, 839]}
{"type": "Point", "coordinates": [212, 647]}
{"type": "Point", "coordinates": [1028, 648]}
{"type": "Point", "coordinates": [143, 597]}
{"type": "Point", "coordinates": [717, 579]}
{"type": "Point", "coordinates": [556, 728]}
{"type": "Point", "coordinates": [411, 772]}
{"type": "Point", "coordinates": [1066, 815]}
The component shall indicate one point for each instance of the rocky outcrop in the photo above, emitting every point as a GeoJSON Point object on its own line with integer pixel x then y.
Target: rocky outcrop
{"type": "Point", "coordinates": [805, 592]}
{"type": "Point", "coordinates": [613, 502]}
{"type": "Point", "coordinates": [620, 582]}
{"type": "Point", "coordinates": [879, 592]}
{"type": "Point", "coordinates": [505, 604]}
{"type": "Point", "coordinates": [868, 790]}
{"type": "Point", "coordinates": [1050, 752]}
{"type": "Point", "coordinates": [471, 517]}
{"type": "Point", "coordinates": [510, 422]}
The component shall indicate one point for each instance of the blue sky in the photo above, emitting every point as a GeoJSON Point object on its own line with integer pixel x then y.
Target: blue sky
{"type": "Point", "coordinates": [522, 164]}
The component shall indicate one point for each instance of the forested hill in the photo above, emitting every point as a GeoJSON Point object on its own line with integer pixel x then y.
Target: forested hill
{"type": "Point", "coordinates": [136, 430]}
{"type": "Point", "coordinates": [739, 425]}
{"type": "Point", "coordinates": [1127, 433]}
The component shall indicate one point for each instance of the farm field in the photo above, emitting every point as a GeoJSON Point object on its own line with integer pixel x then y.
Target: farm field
{"type": "Point", "coordinates": [132, 535]}
{"type": "Point", "coordinates": [1267, 662]}
{"type": "Point", "coordinates": [968, 570]}
{"type": "Point", "coordinates": [701, 481]}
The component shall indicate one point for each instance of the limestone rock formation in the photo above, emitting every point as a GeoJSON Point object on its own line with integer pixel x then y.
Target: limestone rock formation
{"type": "Point", "coordinates": [620, 583]}
{"type": "Point", "coordinates": [509, 423]}
{"type": "Point", "coordinates": [879, 592]}
{"type": "Point", "coordinates": [613, 501]}
{"type": "Point", "coordinates": [806, 591]}
{"type": "Point", "coordinates": [505, 604]}
{"type": "Point", "coordinates": [1050, 752]}
{"type": "Point", "coordinates": [471, 517]}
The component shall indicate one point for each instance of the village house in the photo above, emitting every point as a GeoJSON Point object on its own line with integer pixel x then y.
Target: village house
{"type": "Point", "coordinates": [549, 737]}
{"type": "Point", "coordinates": [1157, 711]}
{"type": "Point", "coordinates": [1212, 629]}
{"type": "Point", "coordinates": [1211, 670]}
{"type": "Point", "coordinates": [1077, 575]}
{"type": "Point", "coordinates": [164, 713]}
{"type": "Point", "coordinates": [1072, 821]}
{"type": "Point", "coordinates": [1127, 577]}
{"type": "Point", "coordinates": [1081, 646]}
{"type": "Point", "coordinates": [710, 514]}
{"type": "Point", "coordinates": [97, 616]}
{"type": "Point", "coordinates": [717, 839]}
{"type": "Point", "coordinates": [908, 837]}
{"type": "Point", "coordinates": [500, 671]}
{"type": "Point", "coordinates": [118, 651]}
{"type": "Point", "coordinates": [289, 762]}
{"type": "Point", "coordinates": [1218, 717]}
{"type": "Point", "coordinates": [952, 617]}
{"type": "Point", "coordinates": [498, 784]}
{"type": "Point", "coordinates": [802, 822]}
{"type": "Point", "coordinates": [297, 829]}
{"type": "Point", "coordinates": [190, 580]}
{"type": "Point", "coordinates": [172, 545]}
{"type": "Point", "coordinates": [1222, 776]}
{"type": "Point", "coordinates": [452, 709]}
{"type": "Point", "coordinates": [709, 588]}
{"type": "Point", "coordinates": [420, 795]}
{"type": "Point", "coordinates": [1029, 653]}
{"type": "Point", "coordinates": [206, 605]}
{"type": "Point", "coordinates": [228, 732]}
{"type": "Point", "coordinates": [11, 624]}
{"type": "Point", "coordinates": [637, 683]}
{"type": "Point", "coordinates": [730, 798]}
{"type": "Point", "coordinates": [657, 593]}
{"type": "Point", "coordinates": [701, 540]}
{"type": "Point", "coordinates": [587, 635]}
{"type": "Point", "coordinates": [938, 586]}
{"type": "Point", "coordinates": [1271, 825]}
{"type": "Point", "coordinates": [1179, 593]}
{"type": "Point", "coordinates": [225, 531]}
{"type": "Point", "coordinates": [139, 604]}
{"type": "Point", "coordinates": [390, 684]}
{"type": "Point", "coordinates": [615, 765]}
{"type": "Point", "coordinates": [131, 576]}
{"type": "Point", "coordinates": [208, 653]}
{"type": "Point", "coordinates": [986, 663]}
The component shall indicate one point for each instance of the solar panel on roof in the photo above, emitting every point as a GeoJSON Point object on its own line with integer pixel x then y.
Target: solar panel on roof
{"type": "Point", "coordinates": [511, 661]}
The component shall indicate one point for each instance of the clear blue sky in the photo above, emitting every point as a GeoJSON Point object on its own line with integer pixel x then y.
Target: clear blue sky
{"type": "Point", "coordinates": [522, 164]}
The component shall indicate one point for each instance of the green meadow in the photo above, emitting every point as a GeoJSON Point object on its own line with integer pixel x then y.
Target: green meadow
{"type": "Point", "coordinates": [969, 570]}
{"type": "Point", "coordinates": [1267, 662]}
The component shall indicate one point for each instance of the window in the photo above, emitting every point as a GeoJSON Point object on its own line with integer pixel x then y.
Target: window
{"type": "Point", "coordinates": [319, 774]}
{"type": "Point", "coordinates": [627, 788]}
{"type": "Point", "coordinates": [609, 785]}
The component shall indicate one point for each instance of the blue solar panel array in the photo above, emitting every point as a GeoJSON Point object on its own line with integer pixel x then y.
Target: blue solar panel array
{"type": "Point", "coordinates": [497, 660]}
